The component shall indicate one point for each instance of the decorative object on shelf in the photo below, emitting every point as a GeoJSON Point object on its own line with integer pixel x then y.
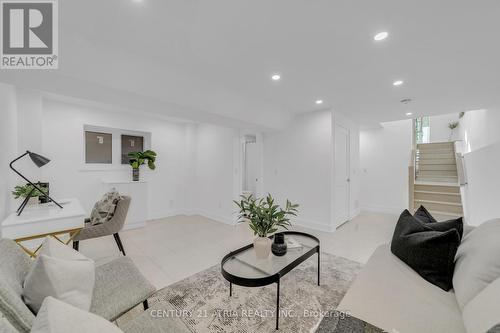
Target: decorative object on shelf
{"type": "Point", "coordinates": [46, 188]}
{"type": "Point", "coordinates": [28, 192]}
{"type": "Point", "coordinates": [279, 246]}
{"type": "Point", "coordinates": [139, 158]}
{"type": "Point", "coordinates": [264, 217]}
{"type": "Point", "coordinates": [39, 161]}
{"type": "Point", "coordinates": [452, 127]}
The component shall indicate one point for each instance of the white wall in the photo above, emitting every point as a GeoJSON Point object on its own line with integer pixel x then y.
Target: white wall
{"type": "Point", "coordinates": [482, 193]}
{"type": "Point", "coordinates": [216, 172]}
{"type": "Point", "coordinates": [480, 128]}
{"type": "Point", "coordinates": [63, 143]}
{"type": "Point", "coordinates": [440, 131]}
{"type": "Point", "coordinates": [385, 157]}
{"type": "Point", "coordinates": [298, 164]}
{"type": "Point", "coordinates": [481, 144]}
{"type": "Point", "coordinates": [8, 145]}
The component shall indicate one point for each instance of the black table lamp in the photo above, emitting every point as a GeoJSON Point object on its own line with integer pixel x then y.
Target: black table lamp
{"type": "Point", "coordinates": [39, 161]}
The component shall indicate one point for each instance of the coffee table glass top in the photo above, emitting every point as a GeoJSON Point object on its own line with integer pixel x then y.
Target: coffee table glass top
{"type": "Point", "coordinates": [245, 264]}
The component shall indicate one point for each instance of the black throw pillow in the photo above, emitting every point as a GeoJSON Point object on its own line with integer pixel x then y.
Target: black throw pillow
{"type": "Point", "coordinates": [430, 253]}
{"type": "Point", "coordinates": [423, 215]}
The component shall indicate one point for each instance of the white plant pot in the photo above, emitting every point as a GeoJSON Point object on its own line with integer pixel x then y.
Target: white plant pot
{"type": "Point", "coordinates": [33, 201]}
{"type": "Point", "coordinates": [262, 246]}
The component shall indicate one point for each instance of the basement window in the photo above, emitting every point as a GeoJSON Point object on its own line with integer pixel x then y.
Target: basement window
{"type": "Point", "coordinates": [98, 148]}
{"type": "Point", "coordinates": [130, 144]}
{"type": "Point", "coordinates": [422, 130]}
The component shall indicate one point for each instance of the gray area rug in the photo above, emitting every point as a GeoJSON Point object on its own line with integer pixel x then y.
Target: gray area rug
{"type": "Point", "coordinates": [202, 301]}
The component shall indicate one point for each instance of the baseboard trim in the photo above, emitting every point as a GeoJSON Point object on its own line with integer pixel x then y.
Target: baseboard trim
{"type": "Point", "coordinates": [216, 217]}
{"type": "Point", "coordinates": [135, 225]}
{"type": "Point", "coordinates": [383, 209]}
{"type": "Point", "coordinates": [312, 225]}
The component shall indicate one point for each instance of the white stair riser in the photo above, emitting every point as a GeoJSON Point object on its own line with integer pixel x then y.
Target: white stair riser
{"type": "Point", "coordinates": [439, 145]}
{"type": "Point", "coordinates": [436, 188]}
{"type": "Point", "coordinates": [437, 167]}
{"type": "Point", "coordinates": [452, 197]}
{"type": "Point", "coordinates": [434, 156]}
{"type": "Point", "coordinates": [437, 173]}
{"type": "Point", "coordinates": [440, 207]}
{"type": "Point", "coordinates": [448, 180]}
{"type": "Point", "coordinates": [437, 161]}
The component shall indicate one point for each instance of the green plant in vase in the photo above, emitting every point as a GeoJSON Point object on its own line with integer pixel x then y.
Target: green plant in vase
{"type": "Point", "coordinates": [265, 217]}
{"type": "Point", "coordinates": [139, 158]}
{"type": "Point", "coordinates": [23, 191]}
{"type": "Point", "coordinates": [452, 126]}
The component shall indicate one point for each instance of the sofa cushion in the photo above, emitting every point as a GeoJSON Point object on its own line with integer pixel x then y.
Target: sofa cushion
{"type": "Point", "coordinates": [6, 326]}
{"type": "Point", "coordinates": [424, 216]}
{"type": "Point", "coordinates": [430, 253]}
{"type": "Point", "coordinates": [119, 286]}
{"type": "Point", "coordinates": [482, 312]}
{"type": "Point", "coordinates": [390, 295]}
{"type": "Point", "coordinates": [14, 265]}
{"type": "Point", "coordinates": [60, 272]}
{"type": "Point", "coordinates": [58, 317]}
{"type": "Point", "coordinates": [105, 208]}
{"type": "Point", "coordinates": [477, 261]}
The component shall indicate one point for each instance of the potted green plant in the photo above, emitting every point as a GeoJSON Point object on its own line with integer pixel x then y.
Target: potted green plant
{"type": "Point", "coordinates": [452, 127]}
{"type": "Point", "coordinates": [139, 158]}
{"type": "Point", "coordinates": [264, 217]}
{"type": "Point", "coordinates": [23, 191]}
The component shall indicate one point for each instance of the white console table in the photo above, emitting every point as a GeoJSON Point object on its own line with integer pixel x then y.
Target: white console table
{"type": "Point", "coordinates": [138, 191]}
{"type": "Point", "coordinates": [40, 221]}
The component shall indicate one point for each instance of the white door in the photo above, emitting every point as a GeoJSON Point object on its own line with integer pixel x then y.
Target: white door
{"type": "Point", "coordinates": [342, 181]}
{"type": "Point", "coordinates": [251, 168]}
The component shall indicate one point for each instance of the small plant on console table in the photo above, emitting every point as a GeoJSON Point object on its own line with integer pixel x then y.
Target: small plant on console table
{"type": "Point", "coordinates": [23, 191]}
{"type": "Point", "coordinates": [265, 217]}
{"type": "Point", "coordinates": [139, 158]}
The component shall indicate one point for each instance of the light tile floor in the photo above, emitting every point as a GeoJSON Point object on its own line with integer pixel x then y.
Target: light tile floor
{"type": "Point", "coordinates": [170, 249]}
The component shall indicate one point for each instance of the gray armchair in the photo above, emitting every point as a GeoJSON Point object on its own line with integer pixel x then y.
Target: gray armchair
{"type": "Point", "coordinates": [119, 287]}
{"type": "Point", "coordinates": [112, 227]}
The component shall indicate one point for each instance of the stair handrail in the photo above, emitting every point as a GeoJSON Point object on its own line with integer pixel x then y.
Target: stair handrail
{"type": "Point", "coordinates": [411, 180]}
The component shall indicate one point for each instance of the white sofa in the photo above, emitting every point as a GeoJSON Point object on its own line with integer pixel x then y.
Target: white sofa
{"type": "Point", "coordinates": [390, 295]}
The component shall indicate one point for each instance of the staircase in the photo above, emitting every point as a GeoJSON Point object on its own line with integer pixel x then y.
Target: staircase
{"type": "Point", "coordinates": [435, 184]}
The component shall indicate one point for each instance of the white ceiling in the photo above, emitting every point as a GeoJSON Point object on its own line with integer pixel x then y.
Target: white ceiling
{"type": "Point", "coordinates": [215, 58]}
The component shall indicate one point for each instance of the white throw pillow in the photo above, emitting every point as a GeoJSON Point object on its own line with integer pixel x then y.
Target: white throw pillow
{"type": "Point", "coordinates": [6, 326]}
{"type": "Point", "coordinates": [477, 262]}
{"type": "Point", "coordinates": [60, 272]}
{"type": "Point", "coordinates": [59, 317]}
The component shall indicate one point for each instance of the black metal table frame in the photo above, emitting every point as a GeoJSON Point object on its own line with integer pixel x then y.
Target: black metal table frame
{"type": "Point", "coordinates": [275, 278]}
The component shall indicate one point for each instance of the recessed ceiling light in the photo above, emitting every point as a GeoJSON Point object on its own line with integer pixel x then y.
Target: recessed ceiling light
{"type": "Point", "coordinates": [276, 77]}
{"type": "Point", "coordinates": [409, 113]}
{"type": "Point", "coordinates": [319, 101]}
{"type": "Point", "coordinates": [397, 83]}
{"type": "Point", "coordinates": [381, 36]}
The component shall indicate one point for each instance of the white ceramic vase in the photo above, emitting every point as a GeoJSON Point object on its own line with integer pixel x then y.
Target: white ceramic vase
{"type": "Point", "coordinates": [33, 201]}
{"type": "Point", "coordinates": [262, 246]}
